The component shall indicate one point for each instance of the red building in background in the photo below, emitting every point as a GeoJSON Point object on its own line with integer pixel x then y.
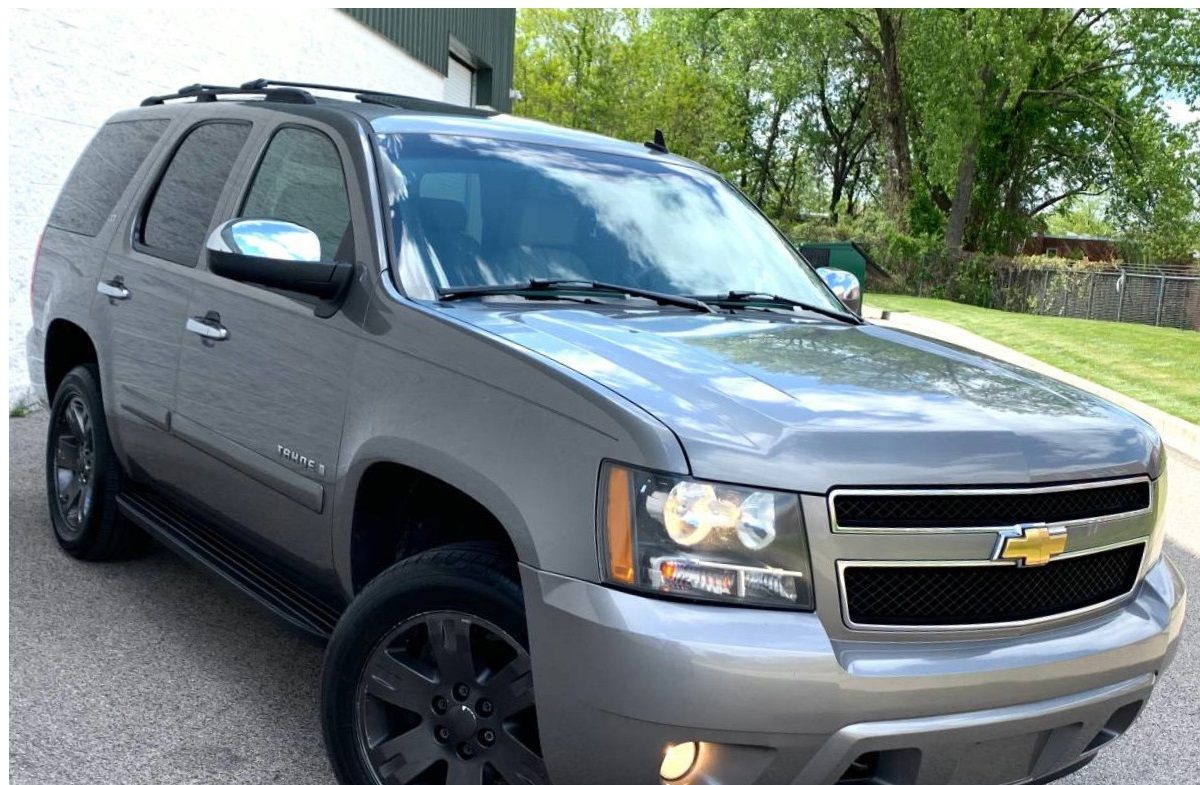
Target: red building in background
{"type": "Point", "coordinates": [1073, 246]}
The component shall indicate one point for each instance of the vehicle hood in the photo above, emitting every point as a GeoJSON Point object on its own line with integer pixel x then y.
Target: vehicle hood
{"type": "Point", "coordinates": [807, 405]}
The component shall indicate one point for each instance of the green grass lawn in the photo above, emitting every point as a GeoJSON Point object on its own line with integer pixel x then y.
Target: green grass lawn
{"type": "Point", "coordinates": [1157, 365]}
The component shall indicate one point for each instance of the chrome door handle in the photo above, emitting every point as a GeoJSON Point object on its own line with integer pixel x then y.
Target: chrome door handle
{"type": "Point", "coordinates": [207, 327]}
{"type": "Point", "coordinates": [114, 289]}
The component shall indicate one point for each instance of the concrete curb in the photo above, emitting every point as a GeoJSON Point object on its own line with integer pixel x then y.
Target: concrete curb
{"type": "Point", "coordinates": [1177, 433]}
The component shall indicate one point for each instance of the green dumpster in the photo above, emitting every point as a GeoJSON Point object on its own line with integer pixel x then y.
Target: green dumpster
{"type": "Point", "coordinates": [850, 257]}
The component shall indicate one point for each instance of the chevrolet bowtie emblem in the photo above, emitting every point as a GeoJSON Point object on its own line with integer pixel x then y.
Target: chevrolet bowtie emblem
{"type": "Point", "coordinates": [1032, 546]}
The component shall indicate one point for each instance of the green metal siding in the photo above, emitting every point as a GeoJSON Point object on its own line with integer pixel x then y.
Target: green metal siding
{"type": "Point", "coordinates": [489, 34]}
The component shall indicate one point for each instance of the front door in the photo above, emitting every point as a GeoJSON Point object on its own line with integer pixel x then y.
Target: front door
{"type": "Point", "coordinates": [263, 404]}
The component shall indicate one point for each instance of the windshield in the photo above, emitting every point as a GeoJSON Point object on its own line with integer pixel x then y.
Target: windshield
{"type": "Point", "coordinates": [486, 212]}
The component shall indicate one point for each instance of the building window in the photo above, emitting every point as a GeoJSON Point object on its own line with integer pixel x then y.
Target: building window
{"type": "Point", "coordinates": [1051, 252]}
{"type": "Point", "coordinates": [460, 83]}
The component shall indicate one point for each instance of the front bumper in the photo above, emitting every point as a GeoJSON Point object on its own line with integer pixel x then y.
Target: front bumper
{"type": "Point", "coordinates": [776, 701]}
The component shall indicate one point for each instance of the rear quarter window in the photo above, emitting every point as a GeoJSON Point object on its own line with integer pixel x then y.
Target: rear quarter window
{"type": "Point", "coordinates": [102, 174]}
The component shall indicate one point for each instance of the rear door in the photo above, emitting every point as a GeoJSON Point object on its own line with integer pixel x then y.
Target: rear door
{"type": "Point", "coordinates": [263, 407]}
{"type": "Point", "coordinates": [142, 295]}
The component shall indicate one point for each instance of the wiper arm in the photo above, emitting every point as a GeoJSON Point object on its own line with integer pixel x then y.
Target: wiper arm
{"type": "Point", "coordinates": [553, 284]}
{"type": "Point", "coordinates": [744, 299]}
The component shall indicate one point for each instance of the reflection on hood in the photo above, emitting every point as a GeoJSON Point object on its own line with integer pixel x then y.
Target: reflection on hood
{"type": "Point", "coordinates": [806, 405]}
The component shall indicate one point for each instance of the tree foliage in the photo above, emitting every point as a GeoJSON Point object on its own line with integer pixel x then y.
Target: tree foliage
{"type": "Point", "coordinates": [976, 125]}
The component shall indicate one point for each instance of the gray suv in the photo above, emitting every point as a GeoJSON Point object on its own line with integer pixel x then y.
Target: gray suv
{"type": "Point", "coordinates": [584, 473]}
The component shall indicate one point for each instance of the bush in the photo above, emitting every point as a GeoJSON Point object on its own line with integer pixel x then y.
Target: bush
{"type": "Point", "coordinates": [919, 264]}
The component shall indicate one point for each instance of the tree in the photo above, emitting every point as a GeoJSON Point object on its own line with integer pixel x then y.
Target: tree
{"type": "Point", "coordinates": [837, 114]}
{"type": "Point", "coordinates": [1020, 110]}
{"type": "Point", "coordinates": [971, 124]}
{"type": "Point", "coordinates": [1156, 198]}
{"type": "Point", "coordinates": [880, 34]}
{"type": "Point", "coordinates": [1080, 215]}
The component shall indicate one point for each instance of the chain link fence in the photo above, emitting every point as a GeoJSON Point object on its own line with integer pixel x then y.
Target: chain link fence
{"type": "Point", "coordinates": [1164, 298]}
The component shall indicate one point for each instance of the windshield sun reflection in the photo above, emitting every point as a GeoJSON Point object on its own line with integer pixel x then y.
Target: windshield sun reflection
{"type": "Point", "coordinates": [482, 212]}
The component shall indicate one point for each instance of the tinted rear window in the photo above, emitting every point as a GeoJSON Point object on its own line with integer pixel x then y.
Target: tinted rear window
{"type": "Point", "coordinates": [103, 173]}
{"type": "Point", "coordinates": [181, 210]}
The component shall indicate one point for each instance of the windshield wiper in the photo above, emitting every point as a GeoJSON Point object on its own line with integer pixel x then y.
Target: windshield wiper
{"type": "Point", "coordinates": [566, 284]}
{"type": "Point", "coordinates": [748, 299]}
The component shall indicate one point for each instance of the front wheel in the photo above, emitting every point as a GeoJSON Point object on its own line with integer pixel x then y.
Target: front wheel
{"type": "Point", "coordinates": [427, 680]}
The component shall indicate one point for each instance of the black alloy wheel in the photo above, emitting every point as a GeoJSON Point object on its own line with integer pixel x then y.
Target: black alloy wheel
{"type": "Point", "coordinates": [74, 466]}
{"type": "Point", "coordinates": [448, 697]}
{"type": "Point", "coordinates": [428, 679]}
{"type": "Point", "coordinates": [82, 474]}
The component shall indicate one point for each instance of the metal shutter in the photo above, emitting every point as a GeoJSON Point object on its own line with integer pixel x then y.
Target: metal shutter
{"type": "Point", "coordinates": [460, 84]}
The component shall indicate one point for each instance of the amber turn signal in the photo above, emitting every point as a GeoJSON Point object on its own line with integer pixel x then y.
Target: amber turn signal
{"type": "Point", "coordinates": [618, 517]}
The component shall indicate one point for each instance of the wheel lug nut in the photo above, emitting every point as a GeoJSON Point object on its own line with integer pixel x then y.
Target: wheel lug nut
{"type": "Point", "coordinates": [441, 733]}
{"type": "Point", "coordinates": [466, 751]}
{"type": "Point", "coordinates": [487, 737]}
{"type": "Point", "coordinates": [440, 704]}
{"type": "Point", "coordinates": [461, 691]}
{"type": "Point", "coordinates": [485, 707]}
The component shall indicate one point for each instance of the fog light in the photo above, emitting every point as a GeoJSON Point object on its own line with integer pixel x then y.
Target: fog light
{"type": "Point", "coordinates": [678, 760]}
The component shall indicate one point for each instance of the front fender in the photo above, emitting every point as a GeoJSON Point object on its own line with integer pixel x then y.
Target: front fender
{"type": "Point", "coordinates": [522, 435]}
{"type": "Point", "coordinates": [432, 461]}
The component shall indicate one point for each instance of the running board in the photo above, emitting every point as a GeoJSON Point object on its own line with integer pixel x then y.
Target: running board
{"type": "Point", "coordinates": [231, 561]}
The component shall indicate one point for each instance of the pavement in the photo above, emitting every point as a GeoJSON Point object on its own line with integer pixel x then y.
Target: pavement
{"type": "Point", "coordinates": [151, 671]}
{"type": "Point", "coordinates": [145, 671]}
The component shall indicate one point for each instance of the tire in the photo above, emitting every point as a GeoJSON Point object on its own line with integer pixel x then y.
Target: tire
{"type": "Point", "coordinates": [82, 474]}
{"type": "Point", "coordinates": [427, 676]}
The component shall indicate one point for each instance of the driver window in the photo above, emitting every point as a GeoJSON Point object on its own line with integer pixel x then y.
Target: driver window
{"type": "Point", "coordinates": [300, 180]}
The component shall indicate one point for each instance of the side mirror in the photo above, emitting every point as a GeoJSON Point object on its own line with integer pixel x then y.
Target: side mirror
{"type": "Point", "coordinates": [277, 254]}
{"type": "Point", "coordinates": [845, 285]}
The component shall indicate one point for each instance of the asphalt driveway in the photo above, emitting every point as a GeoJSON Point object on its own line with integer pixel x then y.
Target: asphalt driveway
{"type": "Point", "coordinates": [151, 671]}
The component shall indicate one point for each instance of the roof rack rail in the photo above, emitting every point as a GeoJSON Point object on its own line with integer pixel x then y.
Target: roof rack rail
{"type": "Point", "coordinates": [263, 84]}
{"type": "Point", "coordinates": [398, 100]}
{"type": "Point", "coordinates": [204, 93]}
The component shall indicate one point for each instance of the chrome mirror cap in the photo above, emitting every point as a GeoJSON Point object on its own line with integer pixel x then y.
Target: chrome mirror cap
{"type": "Point", "coordinates": [266, 239]}
{"type": "Point", "coordinates": [845, 285]}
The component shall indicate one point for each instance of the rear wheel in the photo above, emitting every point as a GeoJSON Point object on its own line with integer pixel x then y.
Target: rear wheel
{"type": "Point", "coordinates": [428, 681]}
{"type": "Point", "coordinates": [82, 474]}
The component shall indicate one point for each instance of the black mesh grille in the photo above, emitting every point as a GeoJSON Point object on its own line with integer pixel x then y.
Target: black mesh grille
{"type": "Point", "coordinates": [947, 509]}
{"type": "Point", "coordinates": [934, 595]}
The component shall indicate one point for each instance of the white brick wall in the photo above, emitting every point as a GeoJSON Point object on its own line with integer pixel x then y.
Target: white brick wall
{"type": "Point", "coordinates": [73, 68]}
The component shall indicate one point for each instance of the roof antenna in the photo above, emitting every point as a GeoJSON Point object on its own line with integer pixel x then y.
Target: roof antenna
{"type": "Point", "coordinates": [659, 145]}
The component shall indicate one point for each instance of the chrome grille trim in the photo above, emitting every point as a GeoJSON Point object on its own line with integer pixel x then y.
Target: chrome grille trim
{"type": "Point", "coordinates": [983, 491]}
{"type": "Point", "coordinates": [844, 564]}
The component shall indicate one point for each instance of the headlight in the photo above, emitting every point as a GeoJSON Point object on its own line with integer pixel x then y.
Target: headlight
{"type": "Point", "coordinates": [695, 539]}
